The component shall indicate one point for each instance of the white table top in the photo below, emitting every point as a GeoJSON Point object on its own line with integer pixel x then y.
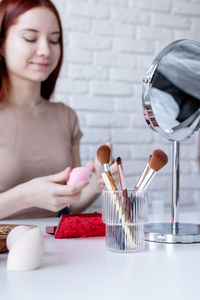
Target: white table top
{"type": "Point", "coordinates": [83, 269]}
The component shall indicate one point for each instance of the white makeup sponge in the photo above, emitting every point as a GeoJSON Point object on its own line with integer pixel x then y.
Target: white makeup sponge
{"type": "Point", "coordinates": [27, 251]}
{"type": "Point", "coordinates": [15, 234]}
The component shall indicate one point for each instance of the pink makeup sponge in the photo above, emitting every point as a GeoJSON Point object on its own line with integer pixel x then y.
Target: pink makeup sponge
{"type": "Point", "coordinates": [78, 174]}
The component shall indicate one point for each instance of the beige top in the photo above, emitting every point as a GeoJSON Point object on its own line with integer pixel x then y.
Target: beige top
{"type": "Point", "coordinates": [35, 141]}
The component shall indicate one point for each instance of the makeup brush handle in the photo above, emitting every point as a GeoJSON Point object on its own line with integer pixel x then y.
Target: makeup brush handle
{"type": "Point", "coordinates": [145, 179]}
{"type": "Point", "coordinates": [110, 185]}
{"type": "Point", "coordinates": [141, 177]}
{"type": "Point", "coordinates": [122, 178]}
{"type": "Point", "coordinates": [119, 208]}
{"type": "Point", "coordinates": [129, 231]}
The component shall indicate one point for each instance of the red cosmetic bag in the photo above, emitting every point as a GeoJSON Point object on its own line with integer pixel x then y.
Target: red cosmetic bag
{"type": "Point", "coordinates": [78, 226]}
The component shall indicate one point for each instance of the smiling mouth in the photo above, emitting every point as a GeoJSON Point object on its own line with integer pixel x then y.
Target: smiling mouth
{"type": "Point", "coordinates": [42, 65]}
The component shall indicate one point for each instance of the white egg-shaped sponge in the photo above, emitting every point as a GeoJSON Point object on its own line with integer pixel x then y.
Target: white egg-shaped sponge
{"type": "Point", "coordinates": [15, 234]}
{"type": "Point", "coordinates": [27, 252]}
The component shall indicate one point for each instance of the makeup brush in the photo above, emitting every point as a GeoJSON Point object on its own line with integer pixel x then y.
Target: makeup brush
{"type": "Point", "coordinates": [122, 177]}
{"type": "Point", "coordinates": [157, 161]}
{"type": "Point", "coordinates": [123, 186]}
{"type": "Point", "coordinates": [103, 155]}
{"type": "Point", "coordinates": [143, 174]}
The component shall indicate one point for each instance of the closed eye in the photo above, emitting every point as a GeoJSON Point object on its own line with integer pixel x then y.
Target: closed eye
{"type": "Point", "coordinates": [30, 40]}
{"type": "Point", "coordinates": [34, 40]}
{"type": "Point", "coordinates": [55, 42]}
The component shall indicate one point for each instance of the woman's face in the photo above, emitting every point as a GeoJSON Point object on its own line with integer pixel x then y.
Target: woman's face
{"type": "Point", "coordinates": [32, 49]}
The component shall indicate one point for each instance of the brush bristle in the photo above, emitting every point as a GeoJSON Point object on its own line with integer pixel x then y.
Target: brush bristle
{"type": "Point", "coordinates": [119, 161]}
{"type": "Point", "coordinates": [103, 154]}
{"type": "Point", "coordinates": [158, 160]}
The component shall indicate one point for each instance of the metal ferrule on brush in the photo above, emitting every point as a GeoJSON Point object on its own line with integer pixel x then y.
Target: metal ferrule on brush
{"type": "Point", "coordinates": [145, 179]}
{"type": "Point", "coordinates": [106, 168]}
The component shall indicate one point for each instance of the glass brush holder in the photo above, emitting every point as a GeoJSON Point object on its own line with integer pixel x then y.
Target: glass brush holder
{"type": "Point", "coordinates": [124, 213]}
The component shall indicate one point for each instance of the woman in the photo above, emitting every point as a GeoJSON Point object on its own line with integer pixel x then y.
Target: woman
{"type": "Point", "coordinates": [37, 138]}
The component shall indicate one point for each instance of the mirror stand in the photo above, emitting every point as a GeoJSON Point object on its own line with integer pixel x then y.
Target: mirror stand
{"type": "Point", "coordinates": [173, 232]}
{"type": "Point", "coordinates": [171, 102]}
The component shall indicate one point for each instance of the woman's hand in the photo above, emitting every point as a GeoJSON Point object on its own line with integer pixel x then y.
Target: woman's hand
{"type": "Point", "coordinates": [96, 184]}
{"type": "Point", "coordinates": [48, 193]}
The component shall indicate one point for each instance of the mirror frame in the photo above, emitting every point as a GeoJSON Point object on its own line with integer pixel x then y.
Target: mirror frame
{"type": "Point", "coordinates": [193, 124]}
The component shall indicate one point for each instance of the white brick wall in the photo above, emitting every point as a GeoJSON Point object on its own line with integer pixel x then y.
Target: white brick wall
{"type": "Point", "coordinates": [109, 44]}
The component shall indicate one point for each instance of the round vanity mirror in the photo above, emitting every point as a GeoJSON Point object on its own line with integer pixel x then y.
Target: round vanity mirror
{"type": "Point", "coordinates": [171, 91]}
{"type": "Point", "coordinates": [171, 101]}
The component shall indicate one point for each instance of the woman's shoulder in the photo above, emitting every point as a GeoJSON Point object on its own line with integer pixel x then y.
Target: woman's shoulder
{"type": "Point", "coordinates": [61, 106]}
{"type": "Point", "coordinates": [64, 112]}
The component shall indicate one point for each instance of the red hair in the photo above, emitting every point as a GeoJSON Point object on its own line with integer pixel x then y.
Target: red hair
{"type": "Point", "coordinates": [10, 10]}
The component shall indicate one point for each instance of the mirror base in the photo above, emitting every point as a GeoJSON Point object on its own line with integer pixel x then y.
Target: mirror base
{"type": "Point", "coordinates": [186, 233]}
